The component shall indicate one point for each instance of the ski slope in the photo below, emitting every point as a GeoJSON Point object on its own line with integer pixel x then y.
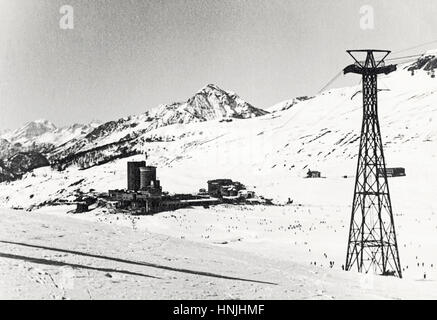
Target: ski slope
{"type": "Point", "coordinates": [53, 256]}
{"type": "Point", "coordinates": [271, 154]}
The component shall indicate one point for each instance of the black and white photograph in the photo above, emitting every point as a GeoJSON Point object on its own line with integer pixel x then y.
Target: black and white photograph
{"type": "Point", "coordinates": [227, 150]}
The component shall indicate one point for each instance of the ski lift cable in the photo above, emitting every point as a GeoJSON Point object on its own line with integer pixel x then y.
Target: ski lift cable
{"type": "Point", "coordinates": [415, 47]}
{"type": "Point", "coordinates": [347, 97]}
{"type": "Point", "coordinates": [404, 59]}
{"type": "Point", "coordinates": [320, 91]}
{"type": "Point", "coordinates": [294, 115]}
{"type": "Point", "coordinates": [411, 57]}
{"type": "Point", "coordinates": [414, 56]}
{"type": "Point", "coordinates": [389, 59]}
{"type": "Point", "coordinates": [330, 81]}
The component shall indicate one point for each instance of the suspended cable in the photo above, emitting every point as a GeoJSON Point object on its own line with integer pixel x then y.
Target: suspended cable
{"type": "Point", "coordinates": [330, 81]}
{"type": "Point", "coordinates": [404, 57]}
{"type": "Point", "coordinates": [390, 59]}
{"type": "Point", "coordinates": [294, 115]}
{"type": "Point", "coordinates": [415, 47]}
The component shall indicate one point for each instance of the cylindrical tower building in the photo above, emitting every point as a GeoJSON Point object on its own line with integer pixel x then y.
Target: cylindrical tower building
{"type": "Point", "coordinates": [147, 176]}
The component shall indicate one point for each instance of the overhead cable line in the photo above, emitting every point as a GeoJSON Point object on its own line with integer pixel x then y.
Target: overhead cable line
{"type": "Point", "coordinates": [405, 57]}
{"type": "Point", "coordinates": [330, 81]}
{"type": "Point", "coordinates": [414, 47]}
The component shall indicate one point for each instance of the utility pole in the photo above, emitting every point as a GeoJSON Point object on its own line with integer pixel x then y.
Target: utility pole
{"type": "Point", "coordinates": [372, 244]}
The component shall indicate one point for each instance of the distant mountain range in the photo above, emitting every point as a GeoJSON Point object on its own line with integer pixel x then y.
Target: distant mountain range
{"type": "Point", "coordinates": [45, 133]}
{"type": "Point", "coordinates": [93, 144]}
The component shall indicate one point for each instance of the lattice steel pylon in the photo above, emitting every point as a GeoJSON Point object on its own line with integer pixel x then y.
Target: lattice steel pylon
{"type": "Point", "coordinates": [372, 244]}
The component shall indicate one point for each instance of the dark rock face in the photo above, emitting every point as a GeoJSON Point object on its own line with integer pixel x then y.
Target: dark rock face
{"type": "Point", "coordinates": [7, 149]}
{"type": "Point", "coordinates": [17, 165]}
{"type": "Point", "coordinates": [427, 63]}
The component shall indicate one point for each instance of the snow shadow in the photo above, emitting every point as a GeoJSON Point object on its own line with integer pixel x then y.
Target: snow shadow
{"type": "Point", "coordinates": [73, 265]}
{"type": "Point", "coordinates": [147, 264]}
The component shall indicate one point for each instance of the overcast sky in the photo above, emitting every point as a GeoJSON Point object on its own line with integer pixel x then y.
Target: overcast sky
{"type": "Point", "coordinates": [126, 56]}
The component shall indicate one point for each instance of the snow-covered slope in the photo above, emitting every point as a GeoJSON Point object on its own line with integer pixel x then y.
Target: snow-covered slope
{"type": "Point", "coordinates": [55, 256]}
{"type": "Point", "coordinates": [271, 153]}
{"type": "Point", "coordinates": [287, 104]}
{"type": "Point", "coordinates": [265, 150]}
{"type": "Point", "coordinates": [209, 103]}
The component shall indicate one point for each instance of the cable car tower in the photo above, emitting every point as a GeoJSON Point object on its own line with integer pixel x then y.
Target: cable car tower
{"type": "Point", "coordinates": [372, 244]}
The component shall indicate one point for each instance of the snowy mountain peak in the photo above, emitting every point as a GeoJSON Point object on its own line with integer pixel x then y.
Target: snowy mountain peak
{"type": "Point", "coordinates": [214, 89]}
{"type": "Point", "coordinates": [44, 134]}
{"type": "Point", "coordinates": [126, 136]}
{"type": "Point", "coordinates": [209, 103]}
{"type": "Point", "coordinates": [81, 127]}
{"type": "Point", "coordinates": [210, 87]}
{"type": "Point", "coordinates": [30, 131]}
{"type": "Point", "coordinates": [41, 124]}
